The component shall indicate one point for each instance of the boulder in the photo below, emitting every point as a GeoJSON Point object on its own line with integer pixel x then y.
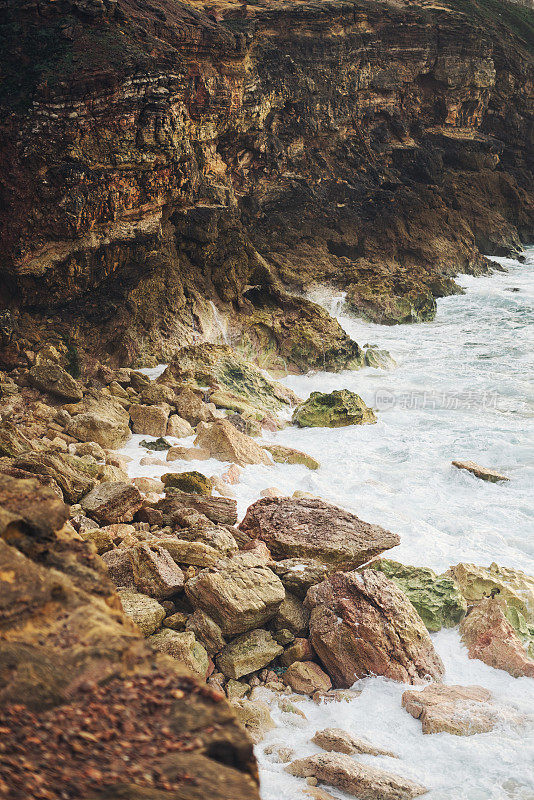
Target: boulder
{"type": "Point", "coordinates": [335, 410]}
{"type": "Point", "coordinates": [358, 780]}
{"type": "Point", "coordinates": [299, 650]}
{"type": "Point", "coordinates": [192, 408]}
{"type": "Point", "coordinates": [178, 427]}
{"type": "Point", "coordinates": [178, 453]}
{"type": "Point", "coordinates": [194, 482]}
{"type": "Point", "coordinates": [378, 359]}
{"type": "Point", "coordinates": [460, 710]}
{"type": "Point", "coordinates": [437, 599]}
{"type": "Point", "coordinates": [206, 631]}
{"type": "Point", "coordinates": [119, 563]}
{"type": "Point", "coordinates": [387, 303]}
{"type": "Point", "coordinates": [292, 615]}
{"type": "Point", "coordinates": [112, 502]}
{"type": "Point", "coordinates": [362, 624]}
{"type": "Point", "coordinates": [514, 588]}
{"type": "Point", "coordinates": [145, 611]}
{"type": "Point", "coordinates": [154, 394]}
{"type": "Point", "coordinates": [52, 378]}
{"type": "Point", "coordinates": [287, 455]}
{"type": "Point", "coordinates": [149, 420]}
{"type": "Point", "coordinates": [95, 426]}
{"type": "Point", "coordinates": [483, 473]}
{"type": "Point", "coordinates": [226, 443]}
{"type": "Point", "coordinates": [255, 717]}
{"type": "Point", "coordinates": [184, 648]}
{"type": "Point", "coordinates": [306, 677]}
{"type": "Point", "coordinates": [75, 476]}
{"type": "Point", "coordinates": [312, 528]}
{"type": "Point", "coordinates": [222, 510]}
{"type": "Point", "coordinates": [249, 652]}
{"type": "Point", "coordinates": [238, 597]}
{"type": "Point", "coordinates": [154, 571]}
{"type": "Point", "coordinates": [200, 546]}
{"type": "Point", "coordinates": [157, 446]}
{"type": "Point", "coordinates": [147, 485]}
{"type": "Point", "coordinates": [339, 741]}
{"type": "Point", "coordinates": [12, 441]}
{"type": "Point", "coordinates": [299, 574]}
{"type": "Point", "coordinates": [29, 513]}
{"type": "Point", "coordinates": [489, 636]}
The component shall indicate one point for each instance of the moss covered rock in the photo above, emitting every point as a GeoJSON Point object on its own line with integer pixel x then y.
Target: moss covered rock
{"type": "Point", "coordinates": [334, 410]}
{"type": "Point", "coordinates": [514, 588]}
{"type": "Point", "coordinates": [193, 482]}
{"type": "Point", "coordinates": [378, 359]}
{"type": "Point", "coordinates": [390, 305]}
{"type": "Point", "coordinates": [287, 455]}
{"type": "Point", "coordinates": [436, 598]}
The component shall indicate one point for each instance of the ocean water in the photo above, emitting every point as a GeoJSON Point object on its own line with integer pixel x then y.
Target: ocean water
{"type": "Point", "coordinates": [462, 389]}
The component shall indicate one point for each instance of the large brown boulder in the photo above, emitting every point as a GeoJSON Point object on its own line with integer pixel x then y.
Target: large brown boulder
{"type": "Point", "coordinates": [51, 378]}
{"type": "Point", "coordinates": [489, 636]}
{"type": "Point", "coordinates": [74, 475]}
{"type": "Point", "coordinates": [148, 419]}
{"type": "Point", "coordinates": [112, 502]}
{"type": "Point", "coordinates": [102, 420]}
{"type": "Point", "coordinates": [226, 443]}
{"type": "Point", "coordinates": [313, 528]}
{"type": "Point", "coordinates": [362, 624]}
{"type": "Point", "coordinates": [237, 596]}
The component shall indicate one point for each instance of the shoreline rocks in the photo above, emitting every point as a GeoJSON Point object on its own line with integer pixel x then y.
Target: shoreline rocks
{"type": "Point", "coordinates": [335, 410]}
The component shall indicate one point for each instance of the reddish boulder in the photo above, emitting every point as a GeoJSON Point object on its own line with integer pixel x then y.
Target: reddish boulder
{"type": "Point", "coordinates": [112, 502]}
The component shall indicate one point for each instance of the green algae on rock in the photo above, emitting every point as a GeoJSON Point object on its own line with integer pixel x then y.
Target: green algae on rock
{"type": "Point", "coordinates": [378, 359]}
{"type": "Point", "coordinates": [436, 598]}
{"type": "Point", "coordinates": [335, 410]}
{"type": "Point", "coordinates": [384, 306]}
{"type": "Point", "coordinates": [188, 482]}
{"type": "Point", "coordinates": [288, 455]}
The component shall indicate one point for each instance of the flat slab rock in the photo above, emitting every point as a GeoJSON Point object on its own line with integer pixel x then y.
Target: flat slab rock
{"type": "Point", "coordinates": [340, 741]}
{"type": "Point", "coordinates": [363, 782]}
{"type": "Point", "coordinates": [460, 710]}
{"type": "Point", "coordinates": [312, 528]}
{"type": "Point", "coordinates": [483, 473]}
{"type": "Point", "coordinates": [362, 624]}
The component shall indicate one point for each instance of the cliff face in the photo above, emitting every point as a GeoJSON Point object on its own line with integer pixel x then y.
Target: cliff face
{"type": "Point", "coordinates": [153, 155]}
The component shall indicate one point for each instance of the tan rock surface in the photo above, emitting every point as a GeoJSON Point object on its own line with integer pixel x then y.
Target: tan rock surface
{"type": "Point", "coordinates": [339, 741]}
{"type": "Point", "coordinates": [460, 710]}
{"type": "Point", "coordinates": [484, 473]}
{"type": "Point", "coordinates": [112, 502]}
{"type": "Point", "coordinates": [306, 677]}
{"type": "Point", "coordinates": [226, 443]}
{"type": "Point", "coordinates": [249, 652]}
{"type": "Point", "coordinates": [149, 420]}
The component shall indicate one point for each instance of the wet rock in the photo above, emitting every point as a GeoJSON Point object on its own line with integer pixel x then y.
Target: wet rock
{"type": "Point", "coordinates": [292, 615]}
{"type": "Point", "coordinates": [362, 624]}
{"type": "Point", "coordinates": [222, 510]}
{"type": "Point", "coordinates": [283, 754]}
{"type": "Point", "coordinates": [178, 453]}
{"type": "Point", "coordinates": [335, 410]}
{"type": "Point", "coordinates": [381, 303]}
{"type": "Point", "coordinates": [287, 455]}
{"type": "Point", "coordinates": [236, 596]}
{"type": "Point", "coordinates": [514, 588]}
{"type": "Point", "coordinates": [298, 574]}
{"type": "Point", "coordinates": [249, 652]}
{"type": "Point", "coordinates": [226, 443]}
{"type": "Point", "coordinates": [112, 502]}
{"type": "Point", "coordinates": [146, 485]}
{"type": "Point", "coordinates": [193, 409]}
{"type": "Point", "coordinates": [312, 528]}
{"type": "Point", "coordinates": [75, 476]}
{"type": "Point", "coordinates": [437, 599]}
{"type": "Point", "coordinates": [336, 696]}
{"type": "Point", "coordinates": [255, 717]}
{"type": "Point", "coordinates": [12, 441]}
{"type": "Point", "coordinates": [194, 482]}
{"type": "Point", "coordinates": [145, 611]}
{"type": "Point", "coordinates": [306, 677]}
{"type": "Point", "coordinates": [150, 420]}
{"type": "Point", "coordinates": [184, 648]}
{"type": "Point", "coordinates": [179, 427]}
{"type": "Point", "coordinates": [489, 636]}
{"type": "Point", "coordinates": [339, 741]}
{"type": "Point", "coordinates": [52, 378]}
{"type": "Point", "coordinates": [158, 446]}
{"type": "Point", "coordinates": [460, 710]}
{"type": "Point", "coordinates": [366, 783]}
{"type": "Point", "coordinates": [206, 631]}
{"type": "Point", "coordinates": [378, 359]}
{"type": "Point", "coordinates": [484, 473]}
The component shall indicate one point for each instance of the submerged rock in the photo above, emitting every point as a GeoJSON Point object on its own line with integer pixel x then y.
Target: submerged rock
{"type": "Point", "coordinates": [378, 359]}
{"type": "Point", "coordinates": [312, 528]}
{"type": "Point", "coordinates": [460, 710]}
{"type": "Point", "coordinates": [483, 473]}
{"type": "Point", "coordinates": [335, 410]}
{"type": "Point", "coordinates": [158, 445]}
{"type": "Point", "coordinates": [437, 599]}
{"type": "Point", "coordinates": [489, 636]}
{"type": "Point", "coordinates": [362, 624]}
{"type": "Point", "coordinates": [339, 741]}
{"type": "Point", "coordinates": [380, 303]}
{"type": "Point", "coordinates": [359, 780]}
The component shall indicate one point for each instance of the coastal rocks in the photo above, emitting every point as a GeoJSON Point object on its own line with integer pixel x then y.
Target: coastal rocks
{"type": "Point", "coordinates": [306, 677]}
{"type": "Point", "coordinates": [158, 446]}
{"type": "Point", "coordinates": [287, 455]}
{"type": "Point", "coordinates": [237, 597]}
{"type": "Point", "coordinates": [184, 648]}
{"type": "Point", "coordinates": [489, 636]}
{"type": "Point", "coordinates": [339, 741]}
{"type": "Point", "coordinates": [378, 359]}
{"type": "Point", "coordinates": [460, 710]}
{"type": "Point", "coordinates": [107, 430]}
{"type": "Point", "coordinates": [226, 443]}
{"type": "Point", "coordinates": [483, 473]}
{"type": "Point", "coordinates": [363, 782]}
{"type": "Point", "coordinates": [147, 567]}
{"type": "Point", "coordinates": [201, 545]}
{"type": "Point", "coordinates": [380, 303]}
{"type": "Point", "coordinates": [437, 599]}
{"type": "Point", "coordinates": [514, 588]}
{"type": "Point", "coordinates": [255, 717]}
{"type": "Point", "coordinates": [249, 652]}
{"type": "Point", "coordinates": [192, 408]}
{"type": "Point", "coordinates": [178, 453]}
{"type": "Point", "coordinates": [53, 379]}
{"type": "Point", "coordinates": [206, 631]}
{"type": "Point", "coordinates": [362, 624]}
{"type": "Point", "coordinates": [75, 476]}
{"type": "Point", "coordinates": [222, 510]}
{"type": "Point", "coordinates": [298, 574]}
{"type": "Point", "coordinates": [178, 427]}
{"type": "Point", "coordinates": [335, 410]}
{"type": "Point", "coordinates": [312, 528]}
{"type": "Point", "coordinates": [144, 611]}
{"type": "Point", "coordinates": [219, 367]}
{"type": "Point", "coordinates": [193, 482]}
{"type": "Point", "coordinates": [12, 441]}
{"type": "Point", "coordinates": [112, 502]}
{"type": "Point", "coordinates": [149, 420]}
{"type": "Point", "coordinates": [292, 615]}
{"type": "Point", "coordinates": [299, 650]}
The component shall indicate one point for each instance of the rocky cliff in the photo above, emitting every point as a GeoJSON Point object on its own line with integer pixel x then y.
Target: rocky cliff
{"type": "Point", "coordinates": [157, 155]}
